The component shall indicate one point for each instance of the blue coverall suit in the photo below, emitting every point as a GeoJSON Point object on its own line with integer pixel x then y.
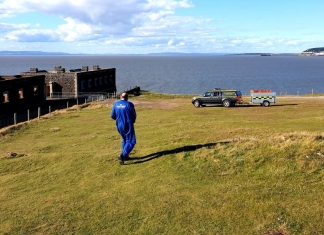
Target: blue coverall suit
{"type": "Point", "coordinates": [124, 113]}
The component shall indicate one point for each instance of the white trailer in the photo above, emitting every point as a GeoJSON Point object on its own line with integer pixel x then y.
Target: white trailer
{"type": "Point", "coordinates": [263, 97]}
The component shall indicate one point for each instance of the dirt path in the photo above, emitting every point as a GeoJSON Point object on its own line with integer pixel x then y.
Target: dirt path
{"type": "Point", "coordinates": [156, 104]}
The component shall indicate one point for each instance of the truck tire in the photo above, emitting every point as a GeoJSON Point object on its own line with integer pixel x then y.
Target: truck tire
{"type": "Point", "coordinates": [266, 103]}
{"type": "Point", "coordinates": [226, 103]}
{"type": "Point", "coordinates": [197, 103]}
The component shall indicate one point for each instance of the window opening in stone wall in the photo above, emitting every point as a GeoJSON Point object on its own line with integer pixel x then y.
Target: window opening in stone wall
{"type": "Point", "coordinates": [96, 82]}
{"type": "Point", "coordinates": [100, 81]}
{"type": "Point", "coordinates": [89, 83]}
{"type": "Point", "coordinates": [48, 90]}
{"type": "Point", "coordinates": [5, 97]}
{"type": "Point", "coordinates": [35, 90]}
{"type": "Point", "coordinates": [105, 79]}
{"type": "Point", "coordinates": [21, 93]}
{"type": "Point", "coordinates": [111, 80]}
{"type": "Point", "coordinates": [82, 85]}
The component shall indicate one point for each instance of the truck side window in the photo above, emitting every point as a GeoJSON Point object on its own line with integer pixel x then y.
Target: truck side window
{"type": "Point", "coordinates": [207, 94]}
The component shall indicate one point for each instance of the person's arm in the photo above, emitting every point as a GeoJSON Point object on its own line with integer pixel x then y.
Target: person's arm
{"type": "Point", "coordinates": [133, 113]}
{"type": "Point", "coordinates": [113, 113]}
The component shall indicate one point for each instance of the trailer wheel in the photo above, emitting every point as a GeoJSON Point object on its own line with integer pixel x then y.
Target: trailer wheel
{"type": "Point", "coordinates": [266, 103]}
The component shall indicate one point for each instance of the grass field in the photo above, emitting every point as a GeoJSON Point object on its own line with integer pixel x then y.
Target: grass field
{"type": "Point", "coordinates": [242, 170]}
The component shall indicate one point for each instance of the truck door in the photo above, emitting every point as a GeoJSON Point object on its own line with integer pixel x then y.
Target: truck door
{"type": "Point", "coordinates": [207, 97]}
{"type": "Point", "coordinates": [216, 98]}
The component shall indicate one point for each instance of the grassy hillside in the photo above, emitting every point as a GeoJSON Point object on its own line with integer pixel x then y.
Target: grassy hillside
{"type": "Point", "coordinates": [212, 170]}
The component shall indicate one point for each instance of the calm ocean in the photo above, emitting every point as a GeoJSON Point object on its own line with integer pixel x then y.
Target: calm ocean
{"type": "Point", "coordinates": [192, 74]}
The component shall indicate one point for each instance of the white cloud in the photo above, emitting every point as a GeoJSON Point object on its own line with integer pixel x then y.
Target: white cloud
{"type": "Point", "coordinates": [4, 27]}
{"type": "Point", "coordinates": [102, 12]}
{"type": "Point", "coordinates": [74, 31]}
{"type": "Point", "coordinates": [33, 36]}
{"type": "Point", "coordinates": [95, 19]}
{"type": "Point", "coordinates": [133, 25]}
{"type": "Point", "coordinates": [292, 42]}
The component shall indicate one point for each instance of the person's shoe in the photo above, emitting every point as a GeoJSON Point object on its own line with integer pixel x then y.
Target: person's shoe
{"type": "Point", "coordinates": [126, 158]}
{"type": "Point", "coordinates": [121, 160]}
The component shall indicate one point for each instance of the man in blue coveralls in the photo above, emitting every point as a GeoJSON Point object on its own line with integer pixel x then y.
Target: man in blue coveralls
{"type": "Point", "coordinates": [124, 113]}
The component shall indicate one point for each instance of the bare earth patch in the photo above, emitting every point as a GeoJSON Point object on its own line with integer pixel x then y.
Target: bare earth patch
{"type": "Point", "coordinates": [154, 104]}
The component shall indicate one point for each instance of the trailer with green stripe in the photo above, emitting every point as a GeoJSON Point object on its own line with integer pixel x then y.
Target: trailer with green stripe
{"type": "Point", "coordinates": [263, 97]}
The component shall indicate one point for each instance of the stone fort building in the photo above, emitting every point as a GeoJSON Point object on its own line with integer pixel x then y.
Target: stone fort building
{"type": "Point", "coordinates": [34, 88]}
{"type": "Point", "coordinates": [77, 81]}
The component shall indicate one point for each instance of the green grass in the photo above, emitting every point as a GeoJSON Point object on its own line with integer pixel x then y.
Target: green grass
{"type": "Point", "coordinates": [212, 170]}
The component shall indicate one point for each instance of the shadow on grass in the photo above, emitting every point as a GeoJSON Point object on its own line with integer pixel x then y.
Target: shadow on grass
{"type": "Point", "coordinates": [138, 160]}
{"type": "Point", "coordinates": [248, 106]}
{"type": "Point", "coordinates": [285, 104]}
{"type": "Point", "coordinates": [258, 105]}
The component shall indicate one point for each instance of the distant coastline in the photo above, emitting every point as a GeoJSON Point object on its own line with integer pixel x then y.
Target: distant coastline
{"type": "Point", "coordinates": [318, 51]}
{"type": "Point", "coordinates": [149, 54]}
{"type": "Point", "coordinates": [31, 53]}
{"type": "Point", "coordinates": [268, 54]}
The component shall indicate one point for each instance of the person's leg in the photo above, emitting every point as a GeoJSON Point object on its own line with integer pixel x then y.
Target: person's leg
{"type": "Point", "coordinates": [121, 157]}
{"type": "Point", "coordinates": [123, 144]}
{"type": "Point", "coordinates": [127, 149]}
{"type": "Point", "coordinates": [128, 144]}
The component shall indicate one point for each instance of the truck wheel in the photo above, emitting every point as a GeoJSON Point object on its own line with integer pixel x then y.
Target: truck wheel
{"type": "Point", "coordinates": [197, 103]}
{"type": "Point", "coordinates": [266, 103]}
{"type": "Point", "coordinates": [226, 103]}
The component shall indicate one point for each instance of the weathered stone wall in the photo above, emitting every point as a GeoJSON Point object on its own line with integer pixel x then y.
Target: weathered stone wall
{"type": "Point", "coordinates": [65, 80]}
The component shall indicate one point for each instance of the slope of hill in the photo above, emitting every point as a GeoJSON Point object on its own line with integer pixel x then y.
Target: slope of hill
{"type": "Point", "coordinates": [213, 170]}
{"type": "Point", "coordinates": [318, 51]}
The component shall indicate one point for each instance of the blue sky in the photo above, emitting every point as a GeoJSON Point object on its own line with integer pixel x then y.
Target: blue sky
{"type": "Point", "coordinates": [154, 26]}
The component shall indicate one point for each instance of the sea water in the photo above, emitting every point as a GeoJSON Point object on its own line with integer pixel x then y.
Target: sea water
{"type": "Point", "coordinates": [189, 74]}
